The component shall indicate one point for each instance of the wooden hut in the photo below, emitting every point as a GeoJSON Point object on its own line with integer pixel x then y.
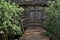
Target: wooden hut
{"type": "Point", "coordinates": [33, 18]}
{"type": "Point", "coordinates": [34, 13]}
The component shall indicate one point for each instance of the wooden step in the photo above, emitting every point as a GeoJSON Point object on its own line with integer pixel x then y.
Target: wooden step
{"type": "Point", "coordinates": [35, 24]}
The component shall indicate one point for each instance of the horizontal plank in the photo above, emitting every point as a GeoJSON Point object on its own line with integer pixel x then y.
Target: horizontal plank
{"type": "Point", "coordinates": [31, 2]}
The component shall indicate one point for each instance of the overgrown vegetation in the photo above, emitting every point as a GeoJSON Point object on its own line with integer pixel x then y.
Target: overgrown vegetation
{"type": "Point", "coordinates": [10, 19]}
{"type": "Point", "coordinates": [53, 21]}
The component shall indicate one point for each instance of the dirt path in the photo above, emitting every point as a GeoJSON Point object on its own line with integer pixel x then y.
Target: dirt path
{"type": "Point", "coordinates": [34, 33]}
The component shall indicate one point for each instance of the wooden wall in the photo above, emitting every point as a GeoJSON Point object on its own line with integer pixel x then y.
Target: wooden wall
{"type": "Point", "coordinates": [31, 2]}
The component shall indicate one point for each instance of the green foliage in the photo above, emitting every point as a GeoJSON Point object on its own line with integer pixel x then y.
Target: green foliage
{"type": "Point", "coordinates": [53, 21]}
{"type": "Point", "coordinates": [10, 18]}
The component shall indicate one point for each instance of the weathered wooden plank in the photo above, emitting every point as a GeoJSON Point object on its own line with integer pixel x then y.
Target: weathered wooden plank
{"type": "Point", "coordinates": [31, 2]}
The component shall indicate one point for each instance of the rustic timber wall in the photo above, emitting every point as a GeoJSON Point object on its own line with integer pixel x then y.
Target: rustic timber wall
{"type": "Point", "coordinates": [33, 10]}
{"type": "Point", "coordinates": [31, 2]}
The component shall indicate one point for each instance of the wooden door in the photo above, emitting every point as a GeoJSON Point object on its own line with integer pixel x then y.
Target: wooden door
{"type": "Point", "coordinates": [35, 13]}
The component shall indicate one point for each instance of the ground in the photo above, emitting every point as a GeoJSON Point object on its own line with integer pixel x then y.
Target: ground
{"type": "Point", "coordinates": [34, 33]}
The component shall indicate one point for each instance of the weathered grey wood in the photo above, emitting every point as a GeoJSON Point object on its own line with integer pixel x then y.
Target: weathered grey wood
{"type": "Point", "coordinates": [31, 2]}
{"type": "Point", "coordinates": [35, 13]}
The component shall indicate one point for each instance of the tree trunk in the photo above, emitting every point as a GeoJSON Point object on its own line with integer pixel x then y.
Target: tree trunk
{"type": "Point", "coordinates": [4, 37]}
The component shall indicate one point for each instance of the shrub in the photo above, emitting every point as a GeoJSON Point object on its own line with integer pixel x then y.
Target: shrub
{"type": "Point", "coordinates": [10, 18]}
{"type": "Point", "coordinates": [53, 21]}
